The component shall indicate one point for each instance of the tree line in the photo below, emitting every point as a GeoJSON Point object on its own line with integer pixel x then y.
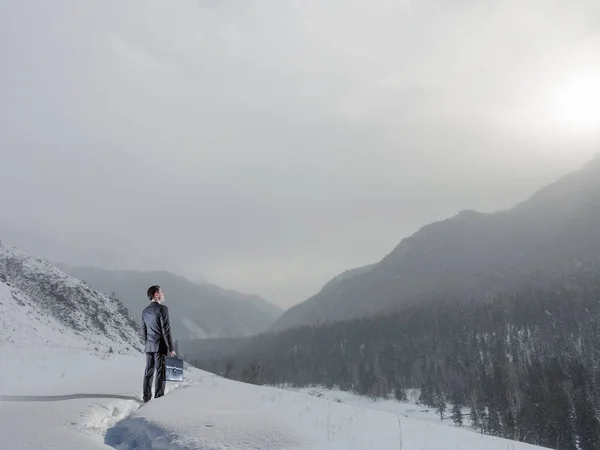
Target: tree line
{"type": "Point", "coordinates": [522, 366]}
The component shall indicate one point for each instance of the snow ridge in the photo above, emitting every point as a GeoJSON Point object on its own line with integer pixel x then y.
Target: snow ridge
{"type": "Point", "coordinates": [31, 288]}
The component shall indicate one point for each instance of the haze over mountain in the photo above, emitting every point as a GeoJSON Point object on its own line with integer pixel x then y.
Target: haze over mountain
{"type": "Point", "coordinates": [196, 310]}
{"type": "Point", "coordinates": [553, 234]}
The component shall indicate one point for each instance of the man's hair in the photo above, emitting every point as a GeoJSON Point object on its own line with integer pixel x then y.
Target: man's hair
{"type": "Point", "coordinates": [152, 290]}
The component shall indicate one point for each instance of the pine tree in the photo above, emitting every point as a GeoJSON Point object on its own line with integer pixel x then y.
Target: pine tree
{"type": "Point", "coordinates": [493, 426]}
{"type": "Point", "coordinates": [400, 393]}
{"type": "Point", "coordinates": [475, 421]}
{"type": "Point", "coordinates": [457, 415]}
{"type": "Point", "coordinates": [440, 403]}
{"type": "Point", "coordinates": [426, 395]}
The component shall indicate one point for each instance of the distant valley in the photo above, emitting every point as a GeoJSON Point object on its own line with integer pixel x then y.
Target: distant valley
{"type": "Point", "coordinates": [197, 311]}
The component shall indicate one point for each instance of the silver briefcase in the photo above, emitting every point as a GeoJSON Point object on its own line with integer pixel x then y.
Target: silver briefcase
{"type": "Point", "coordinates": [174, 368]}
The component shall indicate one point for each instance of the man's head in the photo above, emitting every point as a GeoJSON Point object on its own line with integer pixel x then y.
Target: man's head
{"type": "Point", "coordinates": [155, 293]}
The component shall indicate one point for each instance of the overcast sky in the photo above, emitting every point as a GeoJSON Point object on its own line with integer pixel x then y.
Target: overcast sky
{"type": "Point", "coordinates": [269, 145]}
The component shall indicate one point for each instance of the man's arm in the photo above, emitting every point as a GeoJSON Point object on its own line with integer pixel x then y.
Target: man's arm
{"type": "Point", "coordinates": [166, 327]}
{"type": "Point", "coordinates": [144, 331]}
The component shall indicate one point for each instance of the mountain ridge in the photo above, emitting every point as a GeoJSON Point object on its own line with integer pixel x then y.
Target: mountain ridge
{"type": "Point", "coordinates": [551, 233]}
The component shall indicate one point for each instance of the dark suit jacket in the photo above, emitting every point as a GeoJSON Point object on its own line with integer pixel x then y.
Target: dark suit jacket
{"type": "Point", "coordinates": [156, 329]}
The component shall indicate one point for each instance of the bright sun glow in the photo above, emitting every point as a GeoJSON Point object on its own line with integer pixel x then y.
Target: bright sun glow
{"type": "Point", "coordinates": [575, 105]}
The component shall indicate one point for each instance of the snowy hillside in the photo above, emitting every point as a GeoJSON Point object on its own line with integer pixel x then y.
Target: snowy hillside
{"type": "Point", "coordinates": [61, 389]}
{"type": "Point", "coordinates": [43, 305]}
{"type": "Point", "coordinates": [84, 401]}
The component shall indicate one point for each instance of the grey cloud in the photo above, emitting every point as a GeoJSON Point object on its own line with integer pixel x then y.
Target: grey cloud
{"type": "Point", "coordinates": [270, 145]}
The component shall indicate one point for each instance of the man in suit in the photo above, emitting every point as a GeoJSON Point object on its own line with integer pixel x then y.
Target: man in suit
{"type": "Point", "coordinates": [156, 331]}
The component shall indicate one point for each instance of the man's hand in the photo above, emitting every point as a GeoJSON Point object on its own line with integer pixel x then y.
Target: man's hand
{"type": "Point", "coordinates": [172, 353]}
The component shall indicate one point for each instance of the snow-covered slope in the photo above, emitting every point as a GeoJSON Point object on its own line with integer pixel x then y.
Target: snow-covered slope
{"type": "Point", "coordinates": [224, 414]}
{"type": "Point", "coordinates": [76, 400]}
{"type": "Point", "coordinates": [60, 389]}
{"type": "Point", "coordinates": [63, 398]}
{"type": "Point", "coordinates": [42, 305]}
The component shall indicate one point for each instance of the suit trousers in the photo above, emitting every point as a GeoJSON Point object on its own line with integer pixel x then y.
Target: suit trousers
{"type": "Point", "coordinates": [155, 361]}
